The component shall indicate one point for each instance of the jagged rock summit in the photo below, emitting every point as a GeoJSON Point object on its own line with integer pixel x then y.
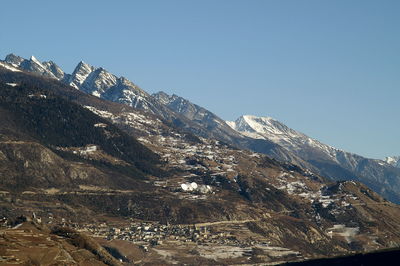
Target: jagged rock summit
{"type": "Point", "coordinates": [48, 69]}
{"type": "Point", "coordinates": [92, 80]}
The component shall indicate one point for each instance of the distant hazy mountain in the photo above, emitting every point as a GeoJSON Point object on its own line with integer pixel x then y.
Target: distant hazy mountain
{"type": "Point", "coordinates": [331, 162]}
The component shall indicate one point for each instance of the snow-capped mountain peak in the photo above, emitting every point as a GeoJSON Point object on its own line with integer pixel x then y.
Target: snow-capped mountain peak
{"type": "Point", "coordinates": [34, 59]}
{"type": "Point", "coordinates": [393, 160]}
{"type": "Point", "coordinates": [253, 123]}
{"type": "Point", "coordinates": [292, 140]}
{"type": "Point", "coordinates": [264, 128]}
{"type": "Point", "coordinates": [332, 162]}
{"type": "Point", "coordinates": [81, 72]}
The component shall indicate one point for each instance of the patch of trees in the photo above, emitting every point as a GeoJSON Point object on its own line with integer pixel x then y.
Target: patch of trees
{"type": "Point", "coordinates": [55, 121]}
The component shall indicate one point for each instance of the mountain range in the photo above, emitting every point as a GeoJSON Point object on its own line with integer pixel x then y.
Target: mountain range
{"type": "Point", "coordinates": [381, 176]}
{"type": "Point", "coordinates": [259, 134]}
{"type": "Point", "coordinates": [333, 163]}
{"type": "Point", "coordinates": [101, 83]}
{"type": "Point", "coordinates": [190, 187]}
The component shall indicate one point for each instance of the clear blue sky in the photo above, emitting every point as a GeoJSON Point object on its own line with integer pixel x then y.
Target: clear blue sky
{"type": "Point", "coordinates": [328, 68]}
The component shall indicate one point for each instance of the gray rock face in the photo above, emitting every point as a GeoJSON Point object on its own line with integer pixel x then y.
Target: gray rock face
{"type": "Point", "coordinates": [14, 60]}
{"type": "Point", "coordinates": [54, 69]}
{"type": "Point", "coordinates": [48, 69]}
{"type": "Point", "coordinates": [35, 66]}
{"type": "Point", "coordinates": [195, 113]}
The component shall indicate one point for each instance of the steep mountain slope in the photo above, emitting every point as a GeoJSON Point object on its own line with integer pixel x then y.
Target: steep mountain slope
{"type": "Point", "coordinates": [42, 135]}
{"type": "Point", "coordinates": [249, 180]}
{"type": "Point", "coordinates": [210, 122]}
{"type": "Point", "coordinates": [196, 114]}
{"type": "Point", "coordinates": [193, 194]}
{"type": "Point", "coordinates": [331, 162]}
{"type": "Point", "coordinates": [221, 131]}
{"type": "Point", "coordinates": [322, 158]}
{"type": "Point", "coordinates": [176, 110]}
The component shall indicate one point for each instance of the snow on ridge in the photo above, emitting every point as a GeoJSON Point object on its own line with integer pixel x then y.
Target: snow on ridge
{"type": "Point", "coordinates": [259, 124]}
{"type": "Point", "coordinates": [263, 118]}
{"type": "Point", "coordinates": [36, 61]}
{"type": "Point", "coordinates": [231, 124]}
{"type": "Point", "coordinates": [271, 129]}
{"type": "Point", "coordinates": [36, 66]}
{"type": "Point", "coordinates": [9, 67]}
{"type": "Point", "coordinates": [393, 160]}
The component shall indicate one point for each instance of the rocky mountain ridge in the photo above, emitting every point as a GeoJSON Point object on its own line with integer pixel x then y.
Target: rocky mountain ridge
{"type": "Point", "coordinates": [92, 80]}
{"type": "Point", "coordinates": [242, 206]}
{"type": "Point", "coordinates": [100, 83]}
{"type": "Point", "coordinates": [321, 158]}
{"type": "Point", "coordinates": [269, 136]}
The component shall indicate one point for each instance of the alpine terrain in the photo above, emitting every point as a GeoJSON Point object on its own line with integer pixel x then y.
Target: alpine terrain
{"type": "Point", "coordinates": [94, 170]}
{"type": "Point", "coordinates": [101, 83]}
{"type": "Point", "coordinates": [336, 164]}
{"type": "Point", "coordinates": [298, 148]}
